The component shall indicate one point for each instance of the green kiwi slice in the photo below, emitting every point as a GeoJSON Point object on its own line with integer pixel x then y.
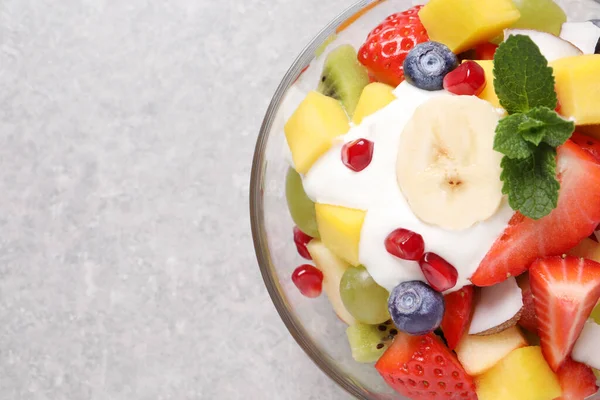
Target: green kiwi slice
{"type": "Point", "coordinates": [343, 77]}
{"type": "Point", "coordinates": [369, 342]}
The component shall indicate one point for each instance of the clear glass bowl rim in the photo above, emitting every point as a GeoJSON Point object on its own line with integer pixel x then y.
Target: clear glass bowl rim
{"type": "Point", "coordinates": [257, 182]}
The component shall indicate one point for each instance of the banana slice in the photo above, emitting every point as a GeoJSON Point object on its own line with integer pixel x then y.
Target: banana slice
{"type": "Point", "coordinates": [447, 167]}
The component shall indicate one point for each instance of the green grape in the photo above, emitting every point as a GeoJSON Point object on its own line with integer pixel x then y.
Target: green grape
{"type": "Point", "coordinates": [301, 207]}
{"type": "Point", "coordinates": [364, 299]}
{"type": "Point", "coordinates": [541, 15]}
{"type": "Point", "coordinates": [596, 314]}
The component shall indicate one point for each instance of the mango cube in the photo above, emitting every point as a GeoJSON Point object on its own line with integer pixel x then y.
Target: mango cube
{"type": "Point", "coordinates": [312, 128]}
{"type": "Point", "coordinates": [489, 93]}
{"type": "Point", "coordinates": [578, 87]}
{"type": "Point", "coordinates": [522, 375]}
{"type": "Point", "coordinates": [461, 24]}
{"type": "Point", "coordinates": [373, 98]}
{"type": "Point", "coordinates": [340, 230]}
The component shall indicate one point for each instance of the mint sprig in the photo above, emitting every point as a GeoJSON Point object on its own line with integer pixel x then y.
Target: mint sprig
{"type": "Point", "coordinates": [528, 137]}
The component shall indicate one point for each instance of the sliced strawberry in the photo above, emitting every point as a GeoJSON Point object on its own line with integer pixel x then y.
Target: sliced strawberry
{"type": "Point", "coordinates": [387, 45]}
{"type": "Point", "coordinates": [576, 217]}
{"type": "Point", "coordinates": [485, 51]}
{"type": "Point", "coordinates": [528, 319]}
{"type": "Point", "coordinates": [459, 309]}
{"type": "Point", "coordinates": [588, 143]}
{"type": "Point", "coordinates": [577, 381]}
{"type": "Point", "coordinates": [421, 367]}
{"type": "Point", "coordinates": [565, 290]}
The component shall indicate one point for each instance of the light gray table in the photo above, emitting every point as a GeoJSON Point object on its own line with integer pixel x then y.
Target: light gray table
{"type": "Point", "coordinates": [126, 135]}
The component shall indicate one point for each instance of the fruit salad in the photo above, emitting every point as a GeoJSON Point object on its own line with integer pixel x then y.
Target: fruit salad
{"type": "Point", "coordinates": [444, 184]}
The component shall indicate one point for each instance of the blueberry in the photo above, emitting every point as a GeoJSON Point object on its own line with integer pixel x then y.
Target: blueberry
{"type": "Point", "coordinates": [416, 308]}
{"type": "Point", "coordinates": [427, 63]}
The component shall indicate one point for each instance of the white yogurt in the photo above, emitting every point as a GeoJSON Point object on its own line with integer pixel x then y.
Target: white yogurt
{"type": "Point", "coordinates": [375, 190]}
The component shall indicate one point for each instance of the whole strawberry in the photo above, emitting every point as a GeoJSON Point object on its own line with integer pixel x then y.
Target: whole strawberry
{"type": "Point", "coordinates": [387, 45]}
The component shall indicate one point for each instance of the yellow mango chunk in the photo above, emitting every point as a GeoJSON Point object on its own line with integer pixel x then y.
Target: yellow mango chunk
{"type": "Point", "coordinates": [312, 127]}
{"type": "Point", "coordinates": [522, 375]}
{"type": "Point", "coordinates": [373, 98]}
{"type": "Point", "coordinates": [461, 24]}
{"type": "Point", "coordinates": [578, 88]}
{"type": "Point", "coordinates": [489, 93]}
{"type": "Point", "coordinates": [340, 230]}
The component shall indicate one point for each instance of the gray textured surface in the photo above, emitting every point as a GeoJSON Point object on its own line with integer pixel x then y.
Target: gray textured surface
{"type": "Point", "coordinates": [126, 134]}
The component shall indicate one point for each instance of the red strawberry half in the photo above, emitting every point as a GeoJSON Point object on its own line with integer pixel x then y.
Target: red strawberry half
{"type": "Point", "coordinates": [577, 381]}
{"type": "Point", "coordinates": [459, 309]}
{"type": "Point", "coordinates": [421, 367]}
{"type": "Point", "coordinates": [576, 217]}
{"type": "Point", "coordinates": [387, 45]}
{"type": "Point", "coordinates": [589, 144]}
{"type": "Point", "coordinates": [565, 290]}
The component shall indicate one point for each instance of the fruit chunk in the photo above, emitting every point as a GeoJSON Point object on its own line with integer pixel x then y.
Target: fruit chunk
{"type": "Point", "coordinates": [590, 130]}
{"type": "Point", "coordinates": [369, 342]}
{"type": "Point", "coordinates": [541, 15]}
{"type": "Point", "coordinates": [416, 308]}
{"type": "Point", "coordinates": [427, 64]}
{"type": "Point", "coordinates": [312, 127]}
{"type": "Point", "coordinates": [374, 97]}
{"type": "Point", "coordinates": [565, 290]}
{"type": "Point", "coordinates": [498, 308]}
{"type": "Point", "coordinates": [340, 230]}
{"type": "Point", "coordinates": [309, 280]}
{"type": "Point", "coordinates": [462, 24]}
{"type": "Point", "coordinates": [422, 367]}
{"type": "Point", "coordinates": [525, 240]}
{"type": "Point", "coordinates": [363, 298]}
{"type": "Point", "coordinates": [552, 47]}
{"type": "Point", "coordinates": [302, 209]}
{"type": "Point", "coordinates": [528, 318]}
{"type": "Point", "coordinates": [489, 93]}
{"type": "Point", "coordinates": [587, 248]}
{"type": "Point", "coordinates": [522, 375]}
{"type": "Point", "coordinates": [586, 349]}
{"type": "Point", "coordinates": [578, 88]}
{"type": "Point", "coordinates": [459, 309]}
{"type": "Point", "coordinates": [477, 354]}
{"type": "Point", "coordinates": [333, 269]}
{"type": "Point", "coordinates": [577, 381]}
{"type": "Point", "coordinates": [584, 35]}
{"type": "Point", "coordinates": [440, 189]}
{"type": "Point", "coordinates": [343, 77]}
{"type": "Point", "coordinates": [589, 144]}
{"type": "Point", "coordinates": [387, 45]}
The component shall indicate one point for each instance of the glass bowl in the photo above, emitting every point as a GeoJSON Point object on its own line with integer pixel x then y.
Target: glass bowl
{"type": "Point", "coordinates": [312, 322]}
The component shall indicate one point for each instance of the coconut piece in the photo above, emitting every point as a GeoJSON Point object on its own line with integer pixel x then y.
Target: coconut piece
{"type": "Point", "coordinates": [552, 47]}
{"type": "Point", "coordinates": [499, 308]}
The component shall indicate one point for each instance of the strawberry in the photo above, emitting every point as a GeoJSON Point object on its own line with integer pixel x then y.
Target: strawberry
{"type": "Point", "coordinates": [565, 290]}
{"type": "Point", "coordinates": [485, 51]}
{"type": "Point", "coordinates": [387, 45]}
{"type": "Point", "coordinates": [588, 143]}
{"type": "Point", "coordinates": [528, 319]}
{"type": "Point", "coordinates": [459, 309]}
{"type": "Point", "coordinates": [422, 367]}
{"type": "Point", "coordinates": [577, 381]}
{"type": "Point", "coordinates": [575, 218]}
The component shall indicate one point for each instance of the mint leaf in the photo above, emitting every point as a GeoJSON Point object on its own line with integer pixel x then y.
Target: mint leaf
{"type": "Point", "coordinates": [508, 140]}
{"type": "Point", "coordinates": [522, 78]}
{"type": "Point", "coordinates": [530, 183]}
{"type": "Point", "coordinates": [556, 129]}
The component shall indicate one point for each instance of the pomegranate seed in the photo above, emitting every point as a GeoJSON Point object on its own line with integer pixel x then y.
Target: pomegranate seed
{"type": "Point", "coordinates": [405, 244]}
{"type": "Point", "coordinates": [357, 155]}
{"type": "Point", "coordinates": [440, 274]}
{"type": "Point", "coordinates": [466, 80]}
{"type": "Point", "coordinates": [485, 51]}
{"type": "Point", "coordinates": [309, 280]}
{"type": "Point", "coordinates": [301, 239]}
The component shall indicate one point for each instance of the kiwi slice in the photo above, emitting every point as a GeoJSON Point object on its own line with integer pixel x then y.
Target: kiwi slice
{"type": "Point", "coordinates": [369, 342]}
{"type": "Point", "coordinates": [343, 77]}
